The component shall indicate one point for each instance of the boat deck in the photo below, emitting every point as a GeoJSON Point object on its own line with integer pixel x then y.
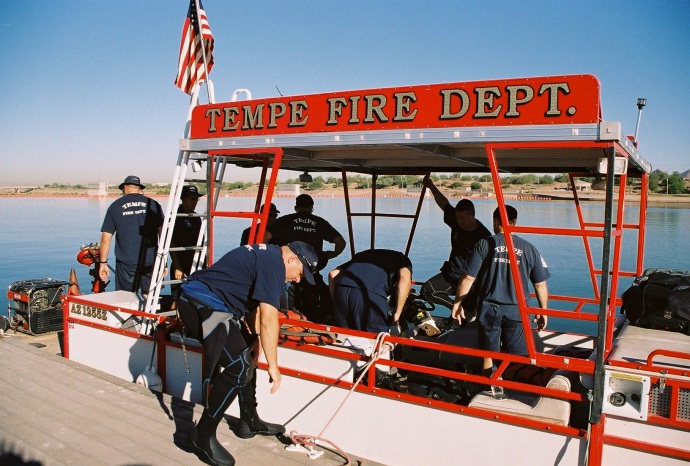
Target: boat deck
{"type": "Point", "coordinates": [58, 412]}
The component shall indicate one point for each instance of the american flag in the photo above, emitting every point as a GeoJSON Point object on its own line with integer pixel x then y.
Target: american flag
{"type": "Point", "coordinates": [190, 67]}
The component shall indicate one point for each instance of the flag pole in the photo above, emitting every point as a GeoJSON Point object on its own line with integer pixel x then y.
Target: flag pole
{"type": "Point", "coordinates": [203, 48]}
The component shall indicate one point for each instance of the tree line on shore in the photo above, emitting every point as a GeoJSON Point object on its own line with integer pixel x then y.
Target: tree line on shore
{"type": "Point", "coordinates": [659, 182]}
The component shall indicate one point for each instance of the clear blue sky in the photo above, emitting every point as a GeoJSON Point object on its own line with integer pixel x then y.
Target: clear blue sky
{"type": "Point", "coordinates": [87, 94]}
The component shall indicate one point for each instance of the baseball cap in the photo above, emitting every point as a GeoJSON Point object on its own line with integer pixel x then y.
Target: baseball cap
{"type": "Point", "coordinates": [189, 190]}
{"type": "Point", "coordinates": [131, 179]}
{"type": "Point", "coordinates": [273, 209]}
{"type": "Point", "coordinates": [308, 257]}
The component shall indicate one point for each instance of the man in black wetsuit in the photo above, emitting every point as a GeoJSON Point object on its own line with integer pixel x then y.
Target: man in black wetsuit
{"type": "Point", "coordinates": [465, 231]}
{"type": "Point", "coordinates": [232, 308]}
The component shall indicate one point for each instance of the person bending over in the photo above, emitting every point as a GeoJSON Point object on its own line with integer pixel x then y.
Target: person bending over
{"type": "Point", "coordinates": [369, 292]}
{"type": "Point", "coordinates": [231, 307]}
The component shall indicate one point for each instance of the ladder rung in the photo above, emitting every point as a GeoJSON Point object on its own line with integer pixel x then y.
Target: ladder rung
{"type": "Point", "coordinates": [201, 215]}
{"type": "Point", "coordinates": [187, 248]}
{"type": "Point", "coordinates": [171, 282]}
{"type": "Point", "coordinates": [194, 180]}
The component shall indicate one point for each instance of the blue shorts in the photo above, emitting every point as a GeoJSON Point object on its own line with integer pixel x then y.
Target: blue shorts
{"type": "Point", "coordinates": [500, 329]}
{"type": "Point", "coordinates": [131, 277]}
{"type": "Point", "coordinates": [357, 309]}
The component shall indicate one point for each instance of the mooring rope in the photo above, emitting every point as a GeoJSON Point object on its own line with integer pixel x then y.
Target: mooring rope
{"type": "Point", "coordinates": [308, 441]}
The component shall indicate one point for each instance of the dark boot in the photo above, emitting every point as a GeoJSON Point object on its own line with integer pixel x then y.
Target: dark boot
{"type": "Point", "coordinates": [205, 445]}
{"type": "Point", "coordinates": [250, 423]}
{"type": "Point", "coordinates": [202, 438]}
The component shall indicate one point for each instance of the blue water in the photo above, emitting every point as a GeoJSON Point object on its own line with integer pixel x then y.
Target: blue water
{"type": "Point", "coordinates": [40, 237]}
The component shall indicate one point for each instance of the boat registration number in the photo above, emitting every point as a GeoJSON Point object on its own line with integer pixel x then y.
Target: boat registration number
{"type": "Point", "coordinates": [88, 311]}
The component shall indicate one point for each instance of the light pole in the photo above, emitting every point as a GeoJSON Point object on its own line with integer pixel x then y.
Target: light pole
{"type": "Point", "coordinates": [667, 186]}
{"type": "Point", "coordinates": [640, 105]}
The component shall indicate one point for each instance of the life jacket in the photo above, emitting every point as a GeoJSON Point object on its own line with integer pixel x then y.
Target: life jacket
{"type": "Point", "coordinates": [300, 334]}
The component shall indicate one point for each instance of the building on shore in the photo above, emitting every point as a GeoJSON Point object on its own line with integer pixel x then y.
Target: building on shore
{"type": "Point", "coordinates": [97, 189]}
{"type": "Point", "coordinates": [585, 186]}
{"type": "Point", "coordinates": [416, 190]}
{"type": "Point", "coordinates": [287, 189]}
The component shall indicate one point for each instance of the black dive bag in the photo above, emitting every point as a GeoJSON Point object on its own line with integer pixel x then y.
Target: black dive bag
{"type": "Point", "coordinates": [659, 299]}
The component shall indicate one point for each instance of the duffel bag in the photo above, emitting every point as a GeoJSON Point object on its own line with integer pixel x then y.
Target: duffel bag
{"type": "Point", "coordinates": [659, 299]}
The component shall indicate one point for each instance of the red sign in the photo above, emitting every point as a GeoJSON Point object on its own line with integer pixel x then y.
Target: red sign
{"type": "Point", "coordinates": [509, 102]}
{"type": "Point", "coordinates": [18, 296]}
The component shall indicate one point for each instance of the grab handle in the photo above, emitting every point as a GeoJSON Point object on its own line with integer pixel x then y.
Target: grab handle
{"type": "Point", "coordinates": [663, 352]}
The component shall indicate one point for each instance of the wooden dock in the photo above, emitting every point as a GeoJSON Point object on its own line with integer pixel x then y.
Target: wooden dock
{"type": "Point", "coordinates": [58, 412]}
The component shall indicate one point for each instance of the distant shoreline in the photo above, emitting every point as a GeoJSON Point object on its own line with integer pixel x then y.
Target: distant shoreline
{"type": "Point", "coordinates": [540, 196]}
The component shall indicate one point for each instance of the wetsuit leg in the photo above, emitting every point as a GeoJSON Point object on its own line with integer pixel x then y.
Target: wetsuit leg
{"type": "Point", "coordinates": [250, 423]}
{"type": "Point", "coordinates": [190, 318]}
{"type": "Point", "coordinates": [223, 345]}
{"type": "Point", "coordinates": [233, 356]}
{"type": "Point", "coordinates": [437, 285]}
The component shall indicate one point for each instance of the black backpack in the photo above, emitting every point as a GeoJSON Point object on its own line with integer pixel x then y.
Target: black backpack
{"type": "Point", "coordinates": [659, 299]}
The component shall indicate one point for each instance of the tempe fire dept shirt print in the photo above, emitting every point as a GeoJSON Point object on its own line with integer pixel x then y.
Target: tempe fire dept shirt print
{"type": "Point", "coordinates": [134, 219]}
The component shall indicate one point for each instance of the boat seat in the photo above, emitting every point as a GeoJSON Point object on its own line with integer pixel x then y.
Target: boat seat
{"type": "Point", "coordinates": [529, 405]}
{"type": "Point", "coordinates": [634, 344]}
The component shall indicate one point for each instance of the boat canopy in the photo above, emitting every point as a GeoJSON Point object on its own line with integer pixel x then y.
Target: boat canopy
{"type": "Point", "coordinates": [539, 125]}
{"type": "Point", "coordinates": [525, 125]}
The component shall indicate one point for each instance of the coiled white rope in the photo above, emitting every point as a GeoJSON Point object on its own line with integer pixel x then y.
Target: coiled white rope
{"type": "Point", "coordinates": [308, 441]}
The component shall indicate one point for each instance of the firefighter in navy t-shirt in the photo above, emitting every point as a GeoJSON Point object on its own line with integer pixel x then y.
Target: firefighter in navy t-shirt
{"type": "Point", "coordinates": [185, 233]}
{"type": "Point", "coordinates": [232, 308]}
{"type": "Point", "coordinates": [369, 292]}
{"type": "Point", "coordinates": [135, 220]}
{"type": "Point", "coordinates": [303, 225]}
{"type": "Point", "coordinates": [488, 268]}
